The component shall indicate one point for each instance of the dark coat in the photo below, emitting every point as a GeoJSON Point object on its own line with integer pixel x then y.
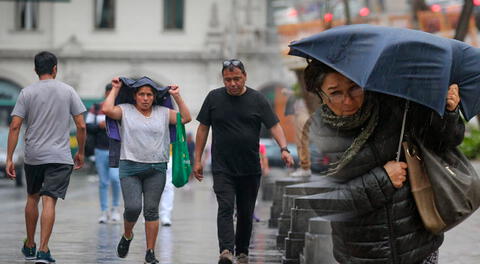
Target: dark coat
{"type": "Point", "coordinates": [387, 227]}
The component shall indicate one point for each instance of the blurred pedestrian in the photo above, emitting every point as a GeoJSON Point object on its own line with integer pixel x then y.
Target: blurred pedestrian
{"type": "Point", "coordinates": [297, 108]}
{"type": "Point", "coordinates": [47, 108]}
{"type": "Point", "coordinates": [265, 170]}
{"type": "Point", "coordinates": [191, 147]}
{"type": "Point", "coordinates": [235, 113]}
{"type": "Point", "coordinates": [168, 196]}
{"type": "Point", "coordinates": [143, 157]}
{"type": "Point", "coordinates": [107, 176]}
{"type": "Point", "coordinates": [264, 159]}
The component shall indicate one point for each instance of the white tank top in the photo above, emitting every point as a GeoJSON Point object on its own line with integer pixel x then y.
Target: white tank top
{"type": "Point", "coordinates": [144, 139]}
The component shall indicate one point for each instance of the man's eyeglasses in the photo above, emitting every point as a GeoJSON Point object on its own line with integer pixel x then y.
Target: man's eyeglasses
{"type": "Point", "coordinates": [338, 97]}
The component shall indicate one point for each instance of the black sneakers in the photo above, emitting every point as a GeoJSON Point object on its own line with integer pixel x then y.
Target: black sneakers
{"type": "Point", "coordinates": [123, 246]}
{"type": "Point", "coordinates": [150, 257]}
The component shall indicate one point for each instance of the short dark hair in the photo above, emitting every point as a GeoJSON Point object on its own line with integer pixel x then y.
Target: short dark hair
{"type": "Point", "coordinates": [44, 62]}
{"type": "Point", "coordinates": [232, 64]}
{"type": "Point", "coordinates": [314, 75]}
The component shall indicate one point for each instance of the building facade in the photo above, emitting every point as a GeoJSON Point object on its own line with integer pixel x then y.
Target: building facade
{"type": "Point", "coordinates": [172, 41]}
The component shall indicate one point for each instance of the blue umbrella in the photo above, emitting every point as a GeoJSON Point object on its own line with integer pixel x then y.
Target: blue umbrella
{"type": "Point", "coordinates": [411, 64]}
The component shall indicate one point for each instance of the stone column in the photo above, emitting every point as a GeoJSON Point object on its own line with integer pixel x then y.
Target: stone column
{"type": "Point", "coordinates": [276, 208]}
{"type": "Point", "coordinates": [318, 184]}
{"type": "Point", "coordinates": [305, 208]}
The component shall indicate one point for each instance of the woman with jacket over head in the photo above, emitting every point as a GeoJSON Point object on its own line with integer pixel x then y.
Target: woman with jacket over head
{"type": "Point", "coordinates": [143, 158]}
{"type": "Point", "coordinates": [361, 130]}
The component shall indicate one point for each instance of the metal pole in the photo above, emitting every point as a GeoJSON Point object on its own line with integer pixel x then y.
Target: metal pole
{"type": "Point", "coordinates": [463, 22]}
{"type": "Point", "coordinates": [346, 5]}
{"type": "Point", "coordinates": [402, 132]}
{"type": "Point", "coordinates": [233, 47]}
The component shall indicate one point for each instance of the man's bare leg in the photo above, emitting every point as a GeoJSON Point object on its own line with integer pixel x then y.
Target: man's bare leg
{"type": "Point", "coordinates": [47, 221]}
{"type": "Point", "coordinates": [31, 218]}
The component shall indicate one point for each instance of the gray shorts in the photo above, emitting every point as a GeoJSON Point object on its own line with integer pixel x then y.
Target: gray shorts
{"type": "Point", "coordinates": [49, 179]}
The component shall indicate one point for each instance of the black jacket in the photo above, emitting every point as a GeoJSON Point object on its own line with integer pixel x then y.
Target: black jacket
{"type": "Point", "coordinates": [387, 227]}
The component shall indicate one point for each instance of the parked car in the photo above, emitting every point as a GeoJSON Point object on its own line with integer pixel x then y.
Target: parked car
{"type": "Point", "coordinates": [320, 162]}
{"type": "Point", "coordinates": [17, 156]}
{"type": "Point", "coordinates": [273, 152]}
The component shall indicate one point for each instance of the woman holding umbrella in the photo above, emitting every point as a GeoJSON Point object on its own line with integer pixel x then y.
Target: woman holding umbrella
{"type": "Point", "coordinates": [362, 129]}
{"type": "Point", "coordinates": [143, 157]}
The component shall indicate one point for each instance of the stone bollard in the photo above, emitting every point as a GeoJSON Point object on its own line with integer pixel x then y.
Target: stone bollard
{"type": "Point", "coordinates": [305, 208]}
{"type": "Point", "coordinates": [267, 186]}
{"type": "Point", "coordinates": [317, 185]}
{"type": "Point", "coordinates": [276, 208]}
{"type": "Point", "coordinates": [318, 241]}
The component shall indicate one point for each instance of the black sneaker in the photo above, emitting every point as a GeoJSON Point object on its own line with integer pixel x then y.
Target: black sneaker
{"type": "Point", "coordinates": [123, 246]}
{"type": "Point", "coordinates": [150, 257]}
{"type": "Point", "coordinates": [29, 253]}
{"type": "Point", "coordinates": [44, 257]}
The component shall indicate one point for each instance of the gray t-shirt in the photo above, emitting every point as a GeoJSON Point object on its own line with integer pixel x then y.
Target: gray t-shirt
{"type": "Point", "coordinates": [47, 108]}
{"type": "Point", "coordinates": [144, 139]}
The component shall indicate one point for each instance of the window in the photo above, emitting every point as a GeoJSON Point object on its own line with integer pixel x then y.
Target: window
{"type": "Point", "coordinates": [173, 14]}
{"type": "Point", "coordinates": [26, 14]}
{"type": "Point", "coordinates": [104, 14]}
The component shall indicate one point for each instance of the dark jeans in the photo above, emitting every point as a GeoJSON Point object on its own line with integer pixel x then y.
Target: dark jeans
{"type": "Point", "coordinates": [242, 190]}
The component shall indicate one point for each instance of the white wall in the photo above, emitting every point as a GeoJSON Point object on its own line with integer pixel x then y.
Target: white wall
{"type": "Point", "coordinates": [138, 45]}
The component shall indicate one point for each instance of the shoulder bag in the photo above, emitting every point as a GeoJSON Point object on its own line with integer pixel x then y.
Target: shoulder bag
{"type": "Point", "coordinates": [445, 186]}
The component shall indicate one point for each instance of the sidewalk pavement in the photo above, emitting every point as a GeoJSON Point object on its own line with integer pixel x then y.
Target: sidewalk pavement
{"type": "Point", "coordinates": [78, 238]}
{"type": "Point", "coordinates": [192, 238]}
{"type": "Point", "coordinates": [462, 243]}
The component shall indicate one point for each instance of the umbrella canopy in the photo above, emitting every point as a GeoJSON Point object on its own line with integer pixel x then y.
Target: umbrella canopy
{"type": "Point", "coordinates": [411, 64]}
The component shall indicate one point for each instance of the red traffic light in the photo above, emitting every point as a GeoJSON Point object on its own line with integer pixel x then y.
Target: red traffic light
{"type": "Point", "coordinates": [364, 12]}
{"type": "Point", "coordinates": [436, 8]}
{"type": "Point", "coordinates": [328, 17]}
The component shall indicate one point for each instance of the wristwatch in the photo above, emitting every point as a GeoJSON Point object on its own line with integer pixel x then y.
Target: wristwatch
{"type": "Point", "coordinates": [284, 149]}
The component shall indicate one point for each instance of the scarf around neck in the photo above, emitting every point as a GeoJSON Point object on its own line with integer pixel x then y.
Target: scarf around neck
{"type": "Point", "coordinates": [366, 119]}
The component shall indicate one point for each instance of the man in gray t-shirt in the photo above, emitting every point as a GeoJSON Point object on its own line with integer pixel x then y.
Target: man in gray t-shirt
{"type": "Point", "coordinates": [47, 108]}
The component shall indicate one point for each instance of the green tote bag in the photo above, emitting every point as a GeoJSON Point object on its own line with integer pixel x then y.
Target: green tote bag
{"type": "Point", "coordinates": [181, 167]}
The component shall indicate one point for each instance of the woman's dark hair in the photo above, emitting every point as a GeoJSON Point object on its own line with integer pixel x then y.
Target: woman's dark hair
{"type": "Point", "coordinates": [44, 62]}
{"type": "Point", "coordinates": [314, 75]}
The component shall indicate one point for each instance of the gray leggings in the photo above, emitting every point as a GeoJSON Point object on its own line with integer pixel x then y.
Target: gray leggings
{"type": "Point", "coordinates": [151, 184]}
